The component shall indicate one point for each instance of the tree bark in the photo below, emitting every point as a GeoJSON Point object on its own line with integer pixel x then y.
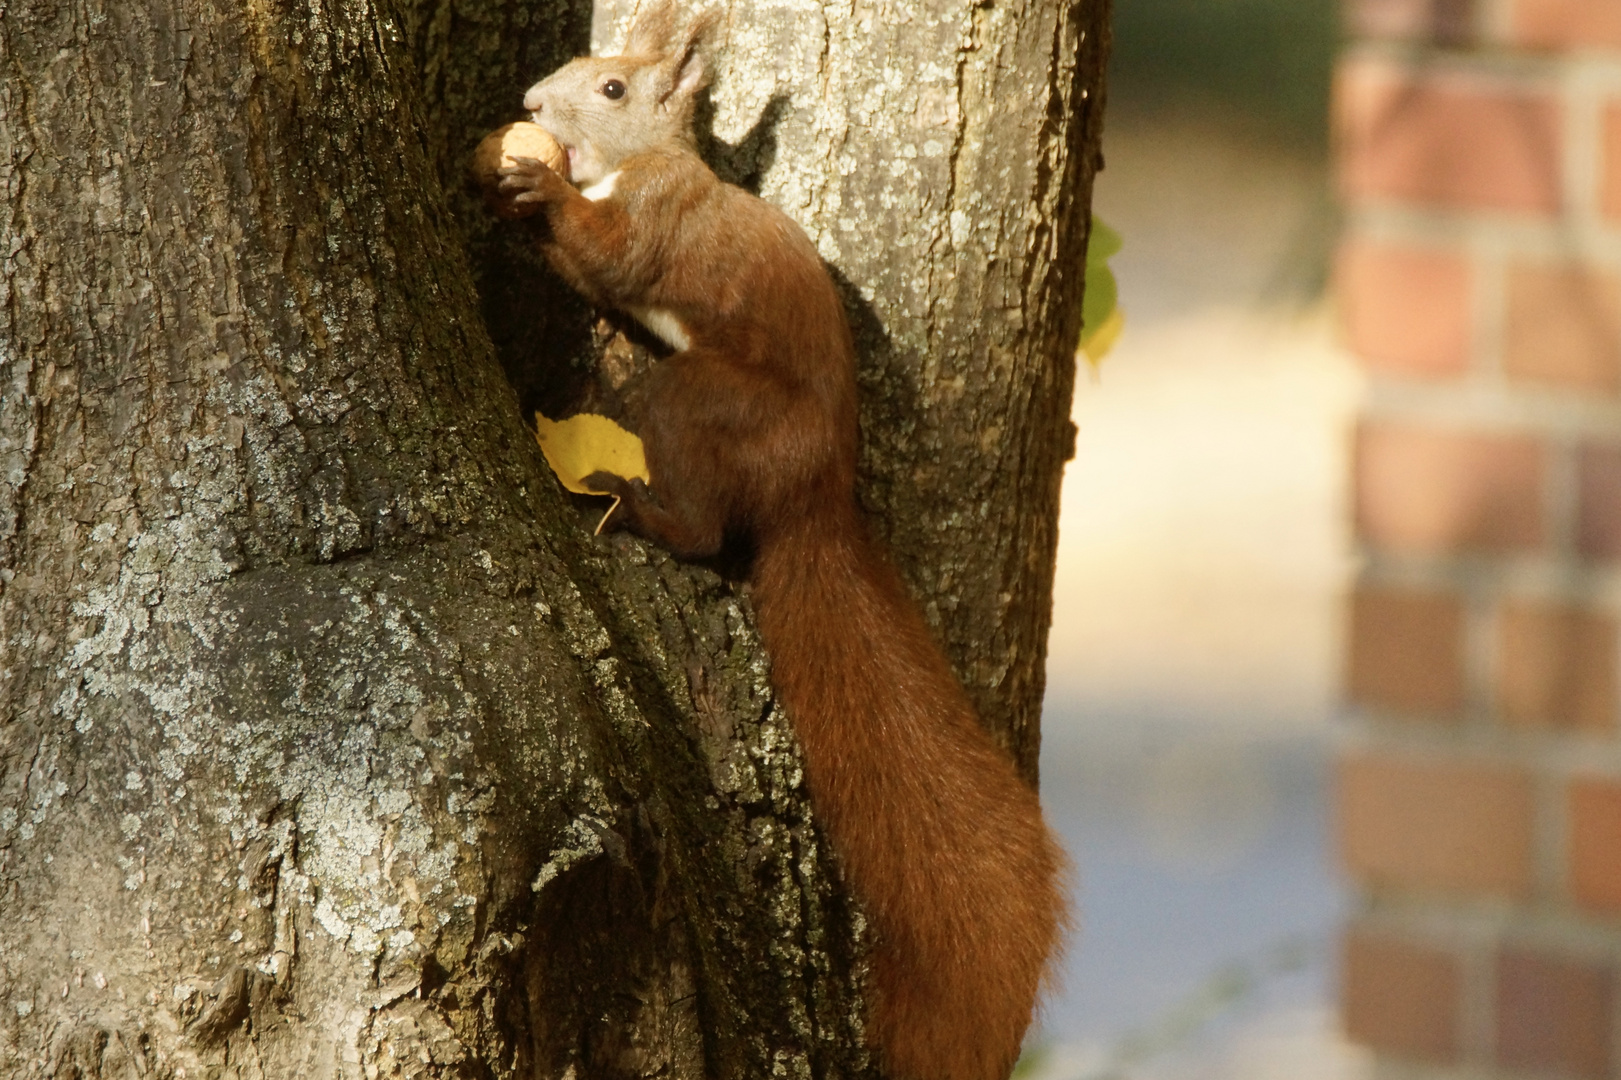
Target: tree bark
{"type": "Point", "coordinates": [331, 742]}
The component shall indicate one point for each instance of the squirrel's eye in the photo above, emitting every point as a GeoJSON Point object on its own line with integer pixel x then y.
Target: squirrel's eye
{"type": "Point", "coordinates": [613, 89]}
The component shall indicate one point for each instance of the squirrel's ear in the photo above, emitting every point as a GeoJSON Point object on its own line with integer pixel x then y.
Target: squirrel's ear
{"type": "Point", "coordinates": [687, 72]}
{"type": "Point", "coordinates": [652, 30]}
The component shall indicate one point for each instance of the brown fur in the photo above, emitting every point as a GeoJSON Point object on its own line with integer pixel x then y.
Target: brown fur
{"type": "Point", "coordinates": [751, 429]}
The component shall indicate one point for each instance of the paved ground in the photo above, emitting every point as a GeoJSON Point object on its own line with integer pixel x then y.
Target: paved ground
{"type": "Point", "coordinates": [1195, 647]}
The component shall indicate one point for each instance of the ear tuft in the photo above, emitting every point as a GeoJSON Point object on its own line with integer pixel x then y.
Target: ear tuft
{"type": "Point", "coordinates": [688, 66]}
{"type": "Point", "coordinates": [652, 32]}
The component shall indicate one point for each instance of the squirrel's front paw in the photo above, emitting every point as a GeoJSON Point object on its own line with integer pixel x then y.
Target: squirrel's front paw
{"type": "Point", "coordinates": [525, 186]}
{"type": "Point", "coordinates": [609, 484]}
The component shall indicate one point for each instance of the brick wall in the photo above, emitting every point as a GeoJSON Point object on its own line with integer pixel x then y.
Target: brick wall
{"type": "Point", "coordinates": [1479, 160]}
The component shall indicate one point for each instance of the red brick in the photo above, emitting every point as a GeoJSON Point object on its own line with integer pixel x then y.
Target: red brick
{"type": "Point", "coordinates": [1610, 167]}
{"type": "Point", "coordinates": [1406, 651]}
{"type": "Point", "coordinates": [1401, 998]}
{"type": "Point", "coordinates": [1598, 479]}
{"type": "Point", "coordinates": [1432, 825]}
{"type": "Point", "coordinates": [1435, 491]}
{"type": "Point", "coordinates": [1556, 668]}
{"type": "Point", "coordinates": [1422, 20]}
{"type": "Point", "coordinates": [1447, 139]}
{"type": "Point", "coordinates": [1553, 1015]}
{"type": "Point", "coordinates": [1406, 310]}
{"type": "Point", "coordinates": [1564, 326]}
{"type": "Point", "coordinates": [1594, 846]}
{"type": "Point", "coordinates": [1566, 24]}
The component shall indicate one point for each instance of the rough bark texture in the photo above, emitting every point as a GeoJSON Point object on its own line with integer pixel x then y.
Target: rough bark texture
{"type": "Point", "coordinates": [331, 744]}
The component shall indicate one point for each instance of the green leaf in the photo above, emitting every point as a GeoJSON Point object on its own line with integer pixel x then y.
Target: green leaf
{"type": "Point", "coordinates": [1101, 317]}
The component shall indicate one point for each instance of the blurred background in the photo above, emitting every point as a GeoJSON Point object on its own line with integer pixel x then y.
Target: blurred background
{"type": "Point", "coordinates": [1331, 715]}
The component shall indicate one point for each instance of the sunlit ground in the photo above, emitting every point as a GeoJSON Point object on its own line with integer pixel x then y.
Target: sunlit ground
{"type": "Point", "coordinates": [1195, 648]}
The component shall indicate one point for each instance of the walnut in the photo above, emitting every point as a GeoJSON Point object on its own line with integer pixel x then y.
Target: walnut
{"type": "Point", "coordinates": [522, 139]}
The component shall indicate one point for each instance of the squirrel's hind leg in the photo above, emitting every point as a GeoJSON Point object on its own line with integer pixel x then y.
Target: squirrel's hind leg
{"type": "Point", "coordinates": [695, 416]}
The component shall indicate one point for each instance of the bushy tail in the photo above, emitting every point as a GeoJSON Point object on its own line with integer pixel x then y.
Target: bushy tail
{"type": "Point", "coordinates": [935, 833]}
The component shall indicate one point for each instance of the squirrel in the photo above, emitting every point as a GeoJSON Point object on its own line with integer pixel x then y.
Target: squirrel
{"type": "Point", "coordinates": [750, 431]}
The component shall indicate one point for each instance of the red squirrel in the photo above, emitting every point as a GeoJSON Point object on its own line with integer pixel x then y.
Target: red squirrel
{"type": "Point", "coordinates": [750, 431]}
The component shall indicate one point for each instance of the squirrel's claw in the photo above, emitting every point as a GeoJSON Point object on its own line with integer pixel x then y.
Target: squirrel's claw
{"type": "Point", "coordinates": [529, 180]}
{"type": "Point", "coordinates": [523, 166]}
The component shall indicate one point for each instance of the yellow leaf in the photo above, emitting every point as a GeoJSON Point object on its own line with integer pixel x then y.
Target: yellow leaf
{"type": "Point", "coordinates": [581, 445]}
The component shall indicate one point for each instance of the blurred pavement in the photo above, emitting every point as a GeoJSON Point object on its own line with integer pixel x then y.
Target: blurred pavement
{"type": "Point", "coordinates": [1203, 554]}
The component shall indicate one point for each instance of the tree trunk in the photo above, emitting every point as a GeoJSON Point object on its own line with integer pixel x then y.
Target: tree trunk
{"type": "Point", "coordinates": [331, 741]}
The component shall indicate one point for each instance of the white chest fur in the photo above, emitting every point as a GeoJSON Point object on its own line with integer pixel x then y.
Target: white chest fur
{"type": "Point", "coordinates": [663, 323]}
{"type": "Point", "coordinates": [602, 188]}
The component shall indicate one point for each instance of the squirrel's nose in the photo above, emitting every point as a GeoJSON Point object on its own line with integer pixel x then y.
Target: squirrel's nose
{"type": "Point", "coordinates": [531, 100]}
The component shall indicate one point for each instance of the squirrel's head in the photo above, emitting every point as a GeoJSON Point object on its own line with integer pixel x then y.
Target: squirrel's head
{"type": "Point", "coordinates": [603, 109]}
